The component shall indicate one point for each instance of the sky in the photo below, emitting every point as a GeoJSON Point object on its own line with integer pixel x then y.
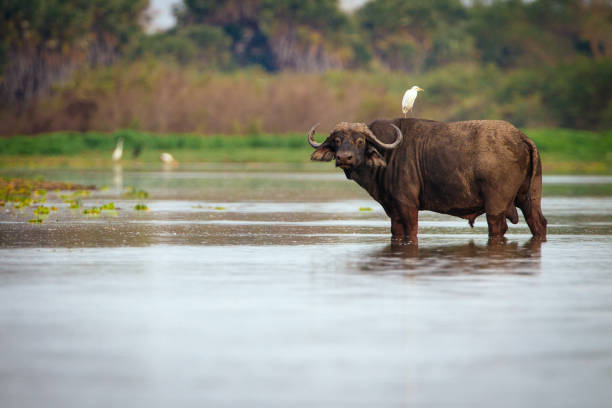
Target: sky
{"type": "Point", "coordinates": [162, 18]}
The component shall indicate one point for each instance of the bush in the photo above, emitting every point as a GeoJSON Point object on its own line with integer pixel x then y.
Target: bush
{"type": "Point", "coordinates": [579, 94]}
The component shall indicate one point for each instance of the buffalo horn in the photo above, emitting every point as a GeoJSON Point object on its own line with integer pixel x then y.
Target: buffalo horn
{"type": "Point", "coordinates": [311, 137]}
{"type": "Point", "coordinates": [387, 145]}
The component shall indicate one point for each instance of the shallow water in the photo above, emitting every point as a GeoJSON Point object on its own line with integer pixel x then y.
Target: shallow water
{"type": "Point", "coordinates": [289, 295]}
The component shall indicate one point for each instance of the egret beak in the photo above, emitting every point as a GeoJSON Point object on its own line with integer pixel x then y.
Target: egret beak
{"type": "Point", "coordinates": [419, 89]}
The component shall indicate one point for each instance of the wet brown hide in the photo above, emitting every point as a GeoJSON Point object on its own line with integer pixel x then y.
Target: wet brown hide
{"type": "Point", "coordinates": [463, 169]}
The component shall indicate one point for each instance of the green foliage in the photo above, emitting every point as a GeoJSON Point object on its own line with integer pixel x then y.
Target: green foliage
{"type": "Point", "coordinates": [579, 95]}
{"type": "Point", "coordinates": [534, 63]}
{"type": "Point", "coordinates": [202, 44]}
{"type": "Point", "coordinates": [566, 144]}
{"type": "Point", "coordinates": [74, 143]}
{"type": "Point", "coordinates": [409, 34]}
{"type": "Point", "coordinates": [555, 145]}
{"type": "Point", "coordinates": [272, 33]}
{"type": "Point", "coordinates": [42, 41]}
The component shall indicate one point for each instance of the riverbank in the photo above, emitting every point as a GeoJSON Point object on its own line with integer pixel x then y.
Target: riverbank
{"type": "Point", "coordinates": [563, 151]}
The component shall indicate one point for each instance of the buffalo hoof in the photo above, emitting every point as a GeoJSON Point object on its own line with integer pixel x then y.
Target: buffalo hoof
{"type": "Point", "coordinates": [497, 240]}
{"type": "Point", "coordinates": [404, 241]}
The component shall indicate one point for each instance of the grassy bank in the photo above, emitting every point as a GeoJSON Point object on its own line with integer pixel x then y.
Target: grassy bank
{"type": "Point", "coordinates": [562, 150]}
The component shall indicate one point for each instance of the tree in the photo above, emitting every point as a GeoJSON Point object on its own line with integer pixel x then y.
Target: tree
{"type": "Point", "coordinates": [45, 40]}
{"type": "Point", "coordinates": [276, 34]}
{"type": "Point", "coordinates": [517, 33]}
{"type": "Point", "coordinates": [409, 35]}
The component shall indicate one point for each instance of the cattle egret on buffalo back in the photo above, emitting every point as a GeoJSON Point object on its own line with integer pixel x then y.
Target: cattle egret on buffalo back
{"type": "Point", "coordinates": [118, 152]}
{"type": "Point", "coordinates": [408, 99]}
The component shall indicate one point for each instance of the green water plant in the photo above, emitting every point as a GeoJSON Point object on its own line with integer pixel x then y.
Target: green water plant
{"type": "Point", "coordinates": [41, 212]}
{"type": "Point", "coordinates": [92, 211]}
{"type": "Point", "coordinates": [140, 195]}
{"type": "Point", "coordinates": [132, 192]}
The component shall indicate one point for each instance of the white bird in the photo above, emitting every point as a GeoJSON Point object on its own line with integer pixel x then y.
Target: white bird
{"type": "Point", "coordinates": [118, 152]}
{"type": "Point", "coordinates": [408, 99]}
{"type": "Point", "coordinates": [167, 158]}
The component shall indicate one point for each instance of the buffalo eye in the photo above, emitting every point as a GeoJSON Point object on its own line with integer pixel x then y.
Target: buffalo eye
{"type": "Point", "coordinates": [360, 142]}
{"type": "Point", "coordinates": [338, 141]}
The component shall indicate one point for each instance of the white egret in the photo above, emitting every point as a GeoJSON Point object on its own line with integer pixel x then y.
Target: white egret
{"type": "Point", "coordinates": [118, 152]}
{"type": "Point", "coordinates": [408, 99]}
{"type": "Point", "coordinates": [167, 158]}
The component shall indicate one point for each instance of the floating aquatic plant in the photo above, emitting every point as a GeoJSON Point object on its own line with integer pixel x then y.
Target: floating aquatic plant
{"type": "Point", "coordinates": [108, 209]}
{"type": "Point", "coordinates": [131, 192]}
{"type": "Point", "coordinates": [41, 212]}
{"type": "Point", "coordinates": [365, 209]}
{"type": "Point", "coordinates": [91, 211]}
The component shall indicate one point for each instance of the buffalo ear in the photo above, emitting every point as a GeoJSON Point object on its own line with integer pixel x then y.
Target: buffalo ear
{"type": "Point", "coordinates": [323, 153]}
{"type": "Point", "coordinates": [374, 158]}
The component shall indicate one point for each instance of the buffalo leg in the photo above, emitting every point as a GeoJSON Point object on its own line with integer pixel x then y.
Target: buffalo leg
{"type": "Point", "coordinates": [410, 221]}
{"type": "Point", "coordinates": [497, 226]}
{"type": "Point", "coordinates": [533, 216]}
{"type": "Point", "coordinates": [397, 228]}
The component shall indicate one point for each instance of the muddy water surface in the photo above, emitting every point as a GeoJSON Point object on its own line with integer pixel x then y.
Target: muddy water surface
{"type": "Point", "coordinates": [251, 288]}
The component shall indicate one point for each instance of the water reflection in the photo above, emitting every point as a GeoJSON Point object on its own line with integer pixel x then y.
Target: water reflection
{"type": "Point", "coordinates": [118, 178]}
{"type": "Point", "coordinates": [453, 259]}
{"type": "Point", "coordinates": [291, 285]}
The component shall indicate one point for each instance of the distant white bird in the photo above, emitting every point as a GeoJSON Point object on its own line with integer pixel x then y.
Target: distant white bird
{"type": "Point", "coordinates": [408, 99]}
{"type": "Point", "coordinates": [167, 158]}
{"type": "Point", "coordinates": [118, 152]}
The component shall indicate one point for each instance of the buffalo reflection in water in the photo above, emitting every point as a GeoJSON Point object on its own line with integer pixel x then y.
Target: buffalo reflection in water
{"type": "Point", "coordinates": [470, 258]}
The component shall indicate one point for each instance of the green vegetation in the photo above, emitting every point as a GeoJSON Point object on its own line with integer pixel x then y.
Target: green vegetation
{"type": "Point", "coordinates": [562, 150]}
{"type": "Point", "coordinates": [20, 194]}
{"type": "Point", "coordinates": [167, 98]}
{"type": "Point", "coordinates": [75, 143]}
{"type": "Point", "coordinates": [266, 66]}
{"type": "Point", "coordinates": [254, 76]}
{"type": "Point", "coordinates": [93, 211]}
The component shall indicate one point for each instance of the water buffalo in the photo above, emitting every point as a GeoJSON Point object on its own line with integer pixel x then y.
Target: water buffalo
{"type": "Point", "coordinates": [462, 168]}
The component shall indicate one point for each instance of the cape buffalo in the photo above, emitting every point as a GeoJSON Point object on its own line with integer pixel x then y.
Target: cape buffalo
{"type": "Point", "coordinates": [463, 169]}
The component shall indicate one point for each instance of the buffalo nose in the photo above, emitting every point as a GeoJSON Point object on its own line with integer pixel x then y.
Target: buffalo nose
{"type": "Point", "coordinates": [346, 157]}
